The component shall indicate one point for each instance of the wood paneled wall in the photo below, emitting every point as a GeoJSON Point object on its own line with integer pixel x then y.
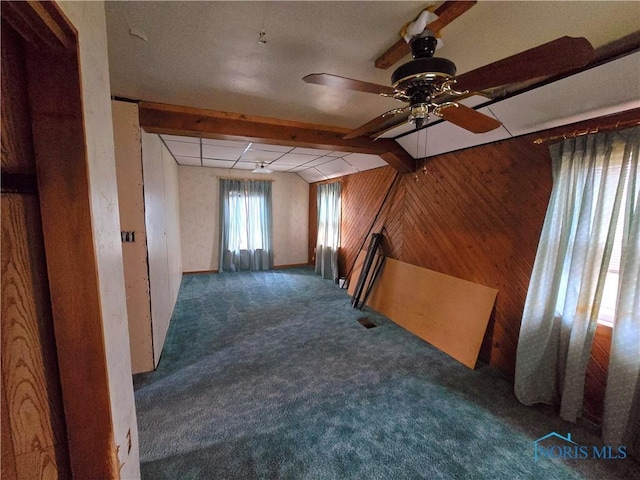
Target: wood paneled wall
{"type": "Point", "coordinates": [475, 214]}
{"type": "Point", "coordinates": [596, 376]}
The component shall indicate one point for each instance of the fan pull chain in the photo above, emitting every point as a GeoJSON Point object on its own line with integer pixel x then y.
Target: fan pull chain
{"type": "Point", "coordinates": [424, 156]}
{"type": "Point", "coordinates": [415, 175]}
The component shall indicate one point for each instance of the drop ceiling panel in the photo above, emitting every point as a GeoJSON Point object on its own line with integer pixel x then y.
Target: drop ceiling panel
{"type": "Point", "coordinates": [310, 151]}
{"type": "Point", "coordinates": [270, 148]}
{"type": "Point", "coordinates": [362, 161]}
{"type": "Point", "coordinates": [298, 169]}
{"type": "Point", "coordinates": [245, 165]}
{"type": "Point", "coordinates": [207, 162]}
{"type": "Point", "coordinates": [260, 156]}
{"type": "Point", "coordinates": [221, 153]}
{"type": "Point", "coordinates": [279, 167]}
{"type": "Point", "coordinates": [318, 161]}
{"type": "Point", "coordinates": [296, 159]}
{"type": "Point", "coordinates": [195, 161]}
{"type": "Point", "coordinates": [177, 138]}
{"type": "Point", "coordinates": [609, 88]}
{"type": "Point", "coordinates": [225, 143]}
{"type": "Point", "coordinates": [183, 149]}
{"type": "Point", "coordinates": [312, 175]}
{"type": "Point", "coordinates": [336, 168]}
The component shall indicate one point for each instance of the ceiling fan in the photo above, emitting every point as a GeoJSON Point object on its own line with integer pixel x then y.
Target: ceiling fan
{"type": "Point", "coordinates": [430, 86]}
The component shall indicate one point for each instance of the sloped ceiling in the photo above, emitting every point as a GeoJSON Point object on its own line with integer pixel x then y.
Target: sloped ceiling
{"type": "Point", "coordinates": [603, 90]}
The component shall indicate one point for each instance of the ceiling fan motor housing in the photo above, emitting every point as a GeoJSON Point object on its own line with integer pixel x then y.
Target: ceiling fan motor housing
{"type": "Point", "coordinates": [423, 72]}
{"type": "Point", "coordinates": [424, 69]}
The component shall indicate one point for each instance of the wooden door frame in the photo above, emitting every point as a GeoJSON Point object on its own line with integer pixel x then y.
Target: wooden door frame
{"type": "Point", "coordinates": [57, 122]}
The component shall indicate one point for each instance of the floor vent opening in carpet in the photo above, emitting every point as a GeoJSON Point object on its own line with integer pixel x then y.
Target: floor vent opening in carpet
{"type": "Point", "coordinates": [365, 322]}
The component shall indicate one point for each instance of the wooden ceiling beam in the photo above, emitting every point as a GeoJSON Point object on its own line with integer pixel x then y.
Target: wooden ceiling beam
{"type": "Point", "coordinates": [179, 120]}
{"type": "Point", "coordinates": [447, 13]}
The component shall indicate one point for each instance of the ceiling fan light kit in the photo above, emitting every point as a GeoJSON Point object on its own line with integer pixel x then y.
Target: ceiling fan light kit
{"type": "Point", "coordinates": [261, 168]}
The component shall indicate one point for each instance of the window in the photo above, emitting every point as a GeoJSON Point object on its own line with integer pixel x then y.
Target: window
{"type": "Point", "coordinates": [245, 225]}
{"type": "Point", "coordinates": [586, 271]}
{"type": "Point", "coordinates": [592, 220]}
{"type": "Point", "coordinates": [610, 290]}
{"type": "Point", "coordinates": [329, 218]}
{"type": "Point", "coordinates": [245, 222]}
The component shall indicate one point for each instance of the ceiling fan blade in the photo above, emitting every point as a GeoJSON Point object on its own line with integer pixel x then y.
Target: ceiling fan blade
{"type": "Point", "coordinates": [345, 83]}
{"type": "Point", "coordinates": [558, 56]}
{"type": "Point", "coordinates": [469, 119]}
{"type": "Point", "coordinates": [381, 123]}
{"type": "Point", "coordinates": [447, 12]}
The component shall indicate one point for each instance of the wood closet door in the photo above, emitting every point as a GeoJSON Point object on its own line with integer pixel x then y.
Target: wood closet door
{"type": "Point", "coordinates": [34, 439]}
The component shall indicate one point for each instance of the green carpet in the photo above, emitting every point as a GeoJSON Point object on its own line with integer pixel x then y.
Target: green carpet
{"type": "Point", "coordinates": [269, 375]}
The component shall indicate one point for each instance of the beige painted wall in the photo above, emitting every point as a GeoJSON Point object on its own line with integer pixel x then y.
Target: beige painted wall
{"type": "Point", "coordinates": [172, 209]}
{"type": "Point", "coordinates": [162, 219]}
{"type": "Point", "coordinates": [199, 213]}
{"type": "Point", "coordinates": [89, 19]}
{"type": "Point", "coordinates": [128, 151]}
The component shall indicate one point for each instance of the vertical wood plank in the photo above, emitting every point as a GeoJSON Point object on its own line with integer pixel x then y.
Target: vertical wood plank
{"type": "Point", "coordinates": [596, 376]}
{"type": "Point", "coordinates": [29, 368]}
{"type": "Point", "coordinates": [8, 469]}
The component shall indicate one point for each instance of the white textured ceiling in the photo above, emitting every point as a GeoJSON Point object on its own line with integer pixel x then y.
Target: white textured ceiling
{"type": "Point", "coordinates": [207, 55]}
{"type": "Point", "coordinates": [312, 165]}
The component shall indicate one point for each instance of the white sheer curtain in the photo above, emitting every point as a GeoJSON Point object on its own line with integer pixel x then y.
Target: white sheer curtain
{"type": "Point", "coordinates": [621, 423]}
{"type": "Point", "coordinates": [245, 225]}
{"type": "Point", "coordinates": [329, 218]}
{"type": "Point", "coordinates": [596, 180]}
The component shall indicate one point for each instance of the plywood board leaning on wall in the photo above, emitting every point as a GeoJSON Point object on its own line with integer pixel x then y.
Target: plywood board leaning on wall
{"type": "Point", "coordinates": [449, 313]}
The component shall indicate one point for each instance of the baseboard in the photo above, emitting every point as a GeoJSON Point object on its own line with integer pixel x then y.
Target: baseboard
{"type": "Point", "coordinates": [293, 265]}
{"type": "Point", "coordinates": [275, 267]}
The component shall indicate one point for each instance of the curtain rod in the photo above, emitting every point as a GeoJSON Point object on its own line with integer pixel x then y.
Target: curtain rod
{"type": "Point", "coordinates": [245, 179]}
{"type": "Point", "coordinates": [586, 131]}
{"type": "Point", "coordinates": [329, 180]}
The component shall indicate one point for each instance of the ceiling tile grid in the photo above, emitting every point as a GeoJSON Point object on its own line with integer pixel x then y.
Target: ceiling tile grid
{"type": "Point", "coordinates": [311, 164]}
